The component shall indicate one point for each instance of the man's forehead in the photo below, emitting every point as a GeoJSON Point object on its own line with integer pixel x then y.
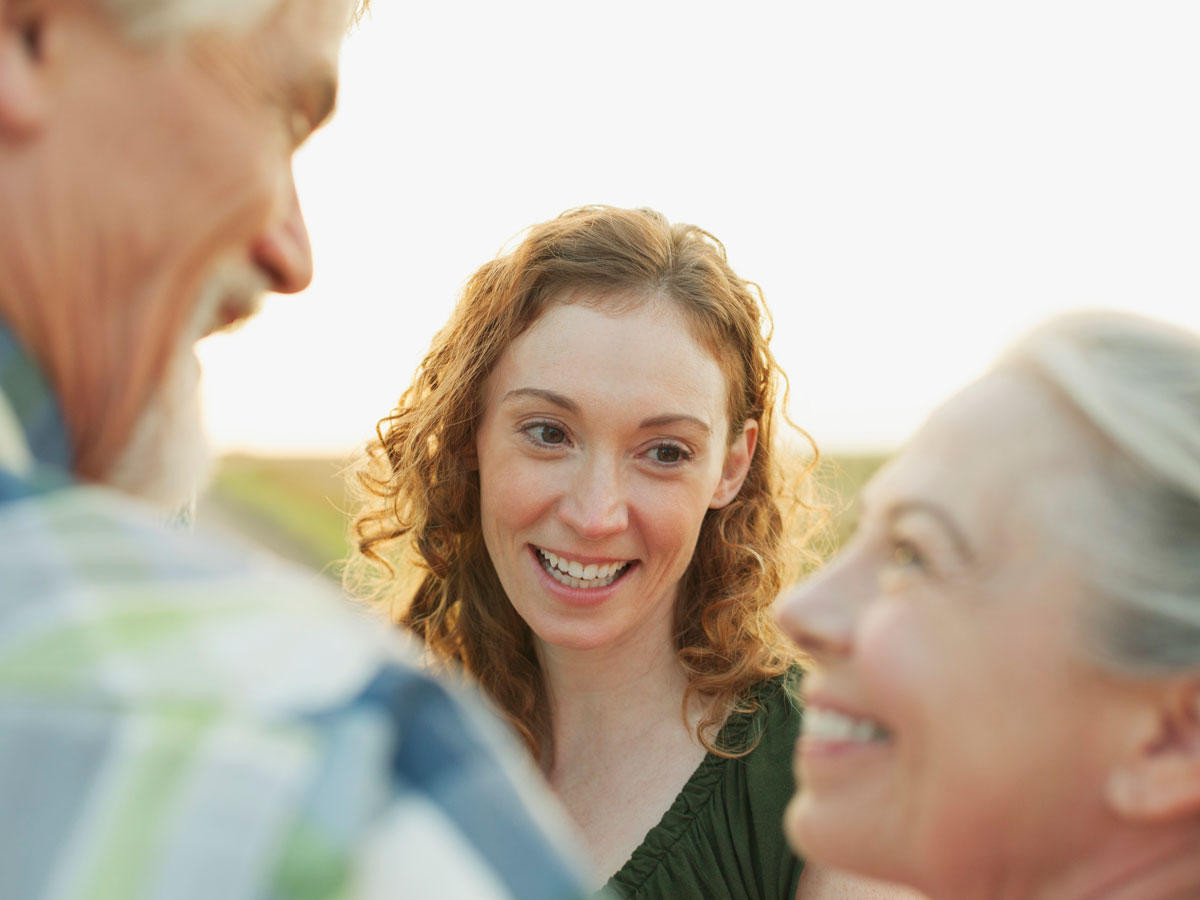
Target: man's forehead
{"type": "Point", "coordinates": [313, 29]}
{"type": "Point", "coordinates": [302, 40]}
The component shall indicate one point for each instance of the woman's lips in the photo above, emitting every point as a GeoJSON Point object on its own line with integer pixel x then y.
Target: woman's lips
{"type": "Point", "coordinates": [597, 580]}
{"type": "Point", "coordinates": [577, 574]}
{"type": "Point", "coordinates": [831, 735]}
{"type": "Point", "coordinates": [826, 724]}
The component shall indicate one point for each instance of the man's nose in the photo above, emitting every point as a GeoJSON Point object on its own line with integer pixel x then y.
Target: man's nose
{"type": "Point", "coordinates": [820, 614]}
{"type": "Point", "coordinates": [595, 506]}
{"type": "Point", "coordinates": [282, 251]}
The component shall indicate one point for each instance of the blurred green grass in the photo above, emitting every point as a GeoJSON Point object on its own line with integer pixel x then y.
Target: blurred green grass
{"type": "Point", "coordinates": [298, 508]}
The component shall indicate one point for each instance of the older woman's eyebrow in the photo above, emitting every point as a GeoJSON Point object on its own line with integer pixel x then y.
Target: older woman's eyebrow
{"type": "Point", "coordinates": [557, 399]}
{"type": "Point", "coordinates": [944, 518]}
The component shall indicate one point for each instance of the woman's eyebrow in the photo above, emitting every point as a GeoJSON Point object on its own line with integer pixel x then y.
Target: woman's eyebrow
{"type": "Point", "coordinates": [564, 402]}
{"type": "Point", "coordinates": [557, 399]}
{"type": "Point", "coordinates": [675, 419]}
{"type": "Point", "coordinates": [944, 518]}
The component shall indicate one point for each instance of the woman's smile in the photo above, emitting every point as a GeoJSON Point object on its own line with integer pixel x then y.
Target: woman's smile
{"type": "Point", "coordinates": [576, 573]}
{"type": "Point", "coordinates": [833, 739]}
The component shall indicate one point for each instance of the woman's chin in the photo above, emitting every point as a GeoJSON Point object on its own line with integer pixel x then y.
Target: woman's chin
{"type": "Point", "coordinates": [575, 637]}
{"type": "Point", "coordinates": [827, 833]}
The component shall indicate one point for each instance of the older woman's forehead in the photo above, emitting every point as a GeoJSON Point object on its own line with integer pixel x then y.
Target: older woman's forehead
{"type": "Point", "coordinates": [1001, 439]}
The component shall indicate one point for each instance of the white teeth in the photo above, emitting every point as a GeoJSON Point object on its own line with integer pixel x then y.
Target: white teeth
{"type": "Point", "coordinates": [575, 574]}
{"type": "Point", "coordinates": [827, 725]}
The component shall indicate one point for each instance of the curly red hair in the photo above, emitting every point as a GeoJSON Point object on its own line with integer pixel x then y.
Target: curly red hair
{"type": "Point", "coordinates": [421, 492]}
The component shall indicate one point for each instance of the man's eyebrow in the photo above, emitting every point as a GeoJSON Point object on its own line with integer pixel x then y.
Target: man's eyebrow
{"type": "Point", "coordinates": [541, 394]}
{"type": "Point", "coordinates": [314, 92]}
{"type": "Point", "coordinates": [949, 525]}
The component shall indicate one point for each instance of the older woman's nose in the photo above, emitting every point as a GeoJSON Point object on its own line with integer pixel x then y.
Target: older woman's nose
{"type": "Point", "coordinates": [819, 614]}
{"type": "Point", "coordinates": [594, 506]}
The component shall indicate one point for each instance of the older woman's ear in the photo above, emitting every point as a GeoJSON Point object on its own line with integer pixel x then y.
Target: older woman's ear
{"type": "Point", "coordinates": [1162, 782]}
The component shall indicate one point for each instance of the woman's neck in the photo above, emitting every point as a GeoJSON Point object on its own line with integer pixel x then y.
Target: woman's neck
{"type": "Point", "coordinates": [1166, 865]}
{"type": "Point", "coordinates": [622, 748]}
{"type": "Point", "coordinates": [602, 697]}
{"type": "Point", "coordinates": [1128, 863]}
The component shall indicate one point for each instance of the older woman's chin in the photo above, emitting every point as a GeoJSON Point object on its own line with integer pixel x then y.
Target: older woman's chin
{"type": "Point", "coordinates": [812, 831]}
{"type": "Point", "coordinates": [832, 837]}
{"type": "Point", "coordinates": [793, 827]}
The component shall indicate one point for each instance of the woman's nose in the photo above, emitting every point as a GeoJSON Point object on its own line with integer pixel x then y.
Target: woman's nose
{"type": "Point", "coordinates": [595, 506]}
{"type": "Point", "coordinates": [819, 614]}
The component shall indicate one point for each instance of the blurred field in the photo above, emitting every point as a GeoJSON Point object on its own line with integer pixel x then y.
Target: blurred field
{"type": "Point", "coordinates": [298, 508]}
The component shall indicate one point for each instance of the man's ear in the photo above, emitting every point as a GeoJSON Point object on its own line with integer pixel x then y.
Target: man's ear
{"type": "Point", "coordinates": [21, 99]}
{"type": "Point", "coordinates": [1160, 781]}
{"type": "Point", "coordinates": [737, 465]}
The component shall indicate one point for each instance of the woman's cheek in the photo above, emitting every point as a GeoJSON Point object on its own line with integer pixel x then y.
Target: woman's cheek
{"type": "Point", "coordinates": [893, 654]}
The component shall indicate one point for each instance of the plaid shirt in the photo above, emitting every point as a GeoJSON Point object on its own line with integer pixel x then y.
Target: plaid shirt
{"type": "Point", "coordinates": [184, 718]}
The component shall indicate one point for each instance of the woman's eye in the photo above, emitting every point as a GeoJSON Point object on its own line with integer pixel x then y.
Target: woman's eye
{"type": "Point", "coordinates": [546, 434]}
{"type": "Point", "coordinates": [905, 556]}
{"type": "Point", "coordinates": [669, 454]}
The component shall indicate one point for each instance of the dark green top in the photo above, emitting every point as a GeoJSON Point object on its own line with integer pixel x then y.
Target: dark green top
{"type": "Point", "coordinates": [723, 835]}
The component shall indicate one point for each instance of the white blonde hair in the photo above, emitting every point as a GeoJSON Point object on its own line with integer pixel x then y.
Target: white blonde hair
{"type": "Point", "coordinates": [1136, 382]}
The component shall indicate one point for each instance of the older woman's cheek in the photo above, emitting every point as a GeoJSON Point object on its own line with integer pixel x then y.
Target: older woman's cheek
{"type": "Point", "coordinates": [892, 657]}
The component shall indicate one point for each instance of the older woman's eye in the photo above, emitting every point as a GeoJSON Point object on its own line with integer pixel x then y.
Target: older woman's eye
{"type": "Point", "coordinates": [902, 564]}
{"type": "Point", "coordinates": [904, 556]}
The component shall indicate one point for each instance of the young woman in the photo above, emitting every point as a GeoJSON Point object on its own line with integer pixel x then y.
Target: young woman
{"type": "Point", "coordinates": [585, 473]}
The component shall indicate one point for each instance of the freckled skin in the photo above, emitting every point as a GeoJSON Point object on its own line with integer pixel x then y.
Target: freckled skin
{"type": "Point", "coordinates": [610, 489]}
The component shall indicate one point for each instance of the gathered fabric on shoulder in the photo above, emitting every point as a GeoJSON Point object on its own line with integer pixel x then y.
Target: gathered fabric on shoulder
{"type": "Point", "coordinates": [723, 835]}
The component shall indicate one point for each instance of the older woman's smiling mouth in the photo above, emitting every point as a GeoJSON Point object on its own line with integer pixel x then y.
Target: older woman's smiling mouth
{"type": "Point", "coordinates": [577, 574]}
{"type": "Point", "coordinates": [822, 724]}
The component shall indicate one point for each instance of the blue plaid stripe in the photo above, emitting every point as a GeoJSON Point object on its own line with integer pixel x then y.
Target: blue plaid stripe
{"type": "Point", "coordinates": [37, 410]}
{"type": "Point", "coordinates": [183, 718]}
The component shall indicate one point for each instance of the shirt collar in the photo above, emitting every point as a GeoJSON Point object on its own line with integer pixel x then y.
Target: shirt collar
{"type": "Point", "coordinates": [33, 434]}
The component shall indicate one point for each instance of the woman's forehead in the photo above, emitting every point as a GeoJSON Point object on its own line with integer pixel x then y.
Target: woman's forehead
{"type": "Point", "coordinates": [642, 350]}
{"type": "Point", "coordinates": [1003, 440]}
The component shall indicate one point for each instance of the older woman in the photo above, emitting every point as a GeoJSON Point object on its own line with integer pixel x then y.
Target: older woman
{"type": "Point", "coordinates": [1006, 699]}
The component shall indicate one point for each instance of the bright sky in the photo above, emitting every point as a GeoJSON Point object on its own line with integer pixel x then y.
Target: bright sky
{"type": "Point", "coordinates": [913, 185]}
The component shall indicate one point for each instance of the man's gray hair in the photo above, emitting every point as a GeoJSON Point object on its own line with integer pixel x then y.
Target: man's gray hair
{"type": "Point", "coordinates": [1137, 383]}
{"type": "Point", "coordinates": [151, 20]}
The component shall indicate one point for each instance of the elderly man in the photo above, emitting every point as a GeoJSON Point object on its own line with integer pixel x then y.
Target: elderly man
{"type": "Point", "coordinates": [179, 717]}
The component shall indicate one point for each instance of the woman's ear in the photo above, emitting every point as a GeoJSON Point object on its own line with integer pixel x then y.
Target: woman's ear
{"type": "Point", "coordinates": [737, 465]}
{"type": "Point", "coordinates": [1160, 782]}
{"type": "Point", "coordinates": [21, 100]}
